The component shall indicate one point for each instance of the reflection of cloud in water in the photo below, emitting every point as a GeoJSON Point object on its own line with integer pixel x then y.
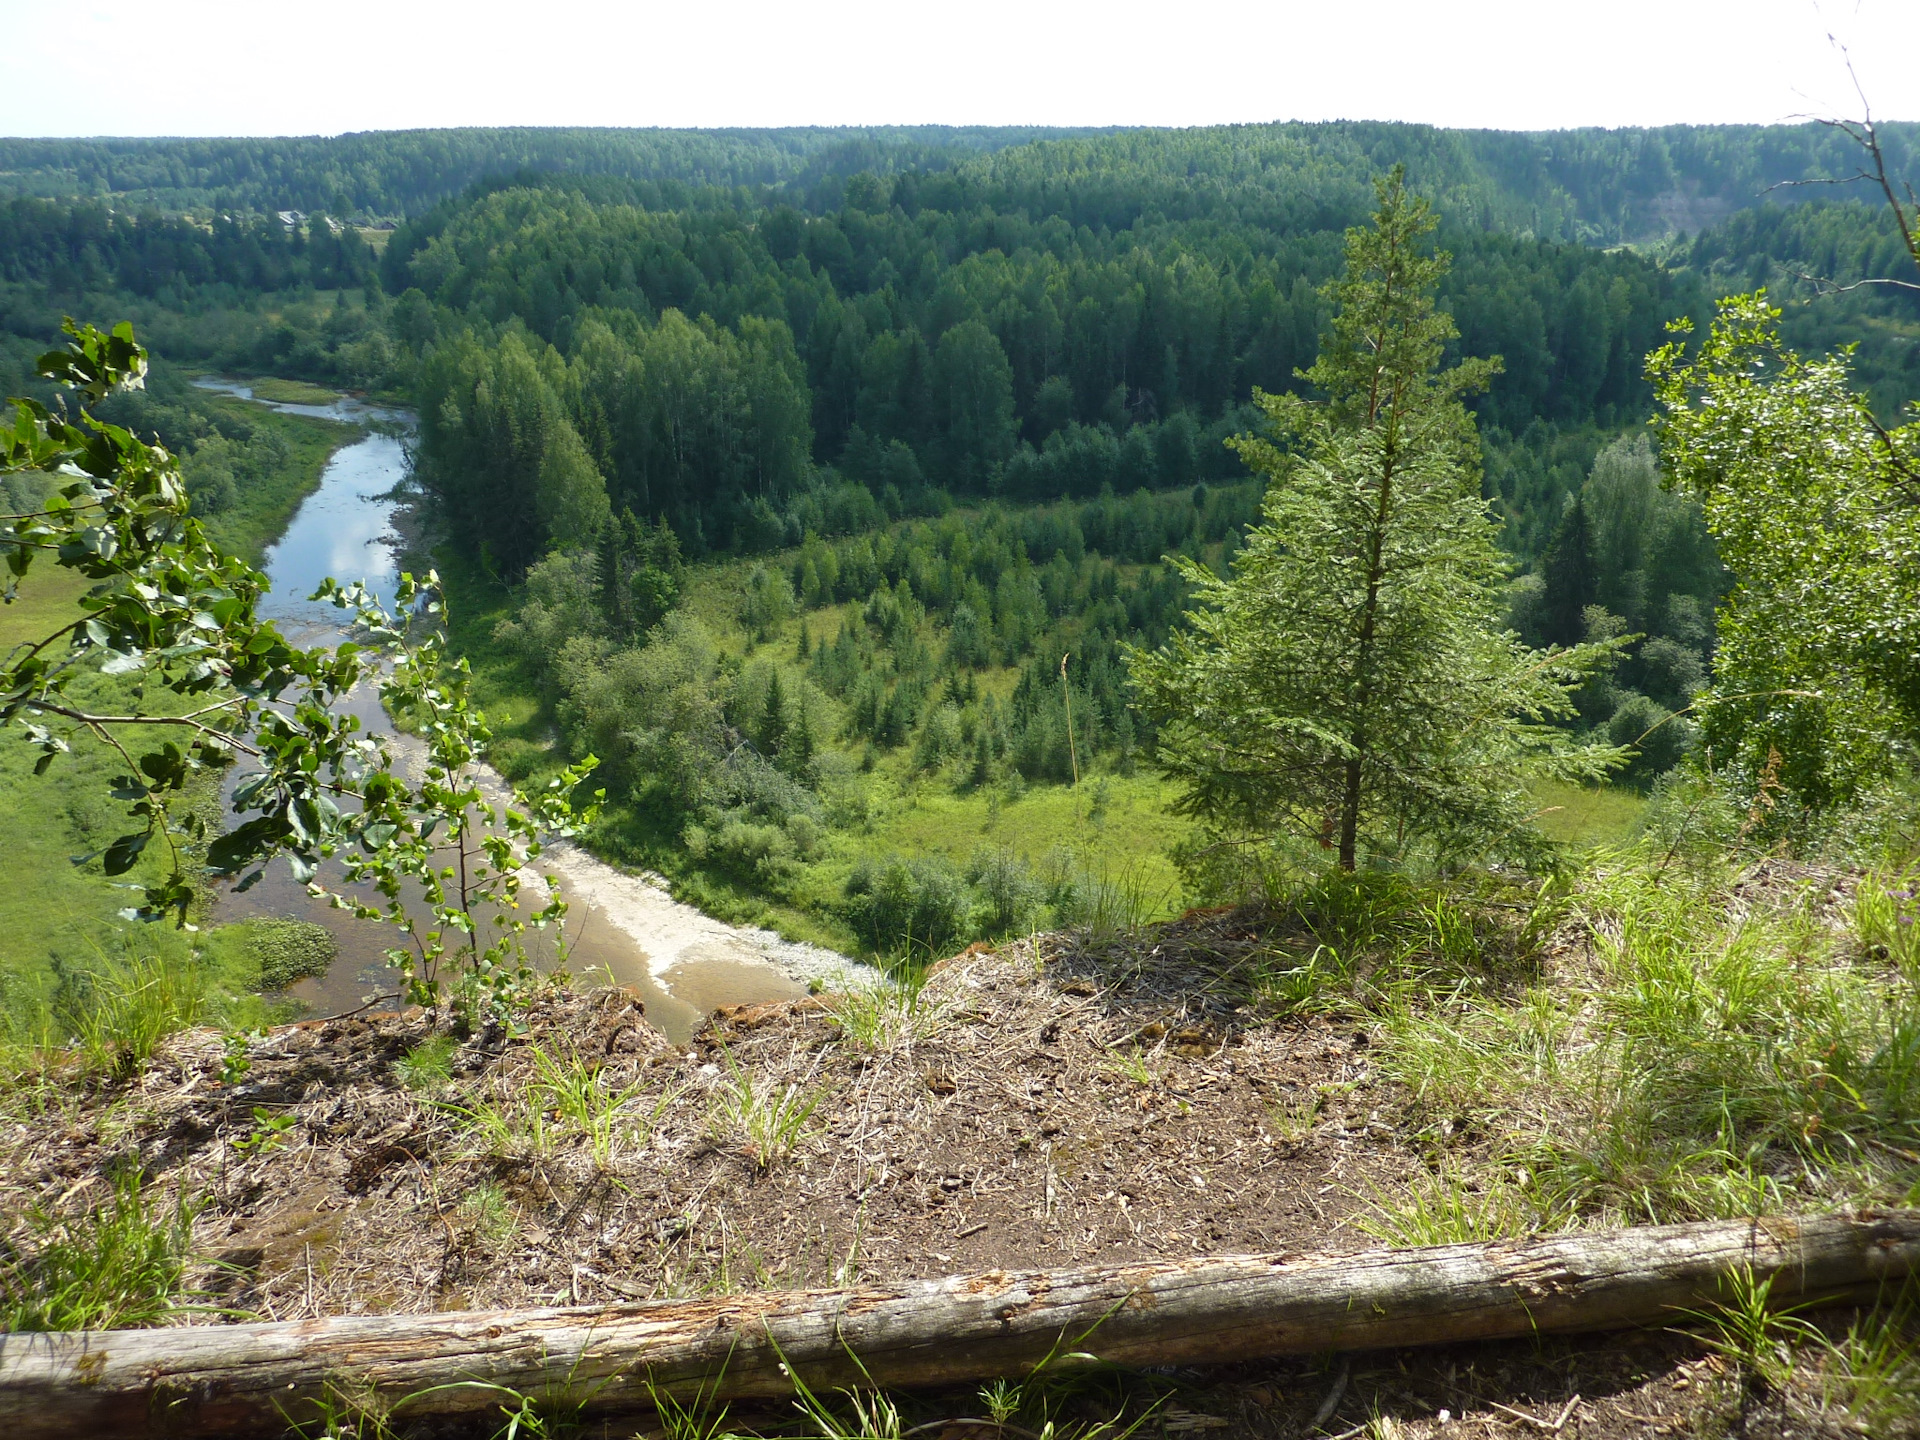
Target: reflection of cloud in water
{"type": "Point", "coordinates": [339, 530]}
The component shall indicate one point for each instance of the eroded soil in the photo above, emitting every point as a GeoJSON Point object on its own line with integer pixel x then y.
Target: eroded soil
{"type": "Point", "coordinates": [1050, 1104]}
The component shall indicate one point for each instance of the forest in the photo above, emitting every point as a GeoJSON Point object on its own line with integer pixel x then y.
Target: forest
{"type": "Point", "coordinates": [938, 404]}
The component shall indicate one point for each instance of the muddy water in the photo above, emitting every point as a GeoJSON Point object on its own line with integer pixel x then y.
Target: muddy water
{"type": "Point", "coordinates": [621, 927]}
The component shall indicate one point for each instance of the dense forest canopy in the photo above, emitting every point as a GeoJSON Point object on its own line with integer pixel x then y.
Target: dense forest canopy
{"type": "Point", "coordinates": [969, 350]}
{"type": "Point", "coordinates": [395, 173]}
{"type": "Point", "coordinates": [749, 340]}
{"type": "Point", "coordinates": [71, 248]}
{"type": "Point", "coordinates": [1596, 185]}
{"type": "Point", "coordinates": [1111, 298]}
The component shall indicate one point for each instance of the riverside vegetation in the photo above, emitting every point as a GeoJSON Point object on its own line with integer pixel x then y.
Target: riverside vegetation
{"type": "Point", "coordinates": [69, 963]}
{"type": "Point", "coordinates": [835, 695]}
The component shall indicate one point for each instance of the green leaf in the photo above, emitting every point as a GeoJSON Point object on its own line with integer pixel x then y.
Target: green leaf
{"type": "Point", "coordinates": [124, 853]}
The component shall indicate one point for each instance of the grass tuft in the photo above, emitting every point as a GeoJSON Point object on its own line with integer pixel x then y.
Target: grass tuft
{"type": "Point", "coordinates": [429, 1065]}
{"type": "Point", "coordinates": [120, 1266]}
{"type": "Point", "coordinates": [766, 1119]}
{"type": "Point", "coordinates": [883, 1018]}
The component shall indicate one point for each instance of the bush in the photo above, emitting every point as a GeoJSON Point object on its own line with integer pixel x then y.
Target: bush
{"type": "Point", "coordinates": [749, 849]}
{"type": "Point", "coordinates": [1661, 739]}
{"type": "Point", "coordinates": [558, 603]}
{"type": "Point", "coordinates": [268, 954]}
{"type": "Point", "coordinates": [1011, 898]}
{"type": "Point", "coordinates": [917, 908]}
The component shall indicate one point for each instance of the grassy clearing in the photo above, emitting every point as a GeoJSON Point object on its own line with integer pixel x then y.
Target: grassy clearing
{"type": "Point", "coordinates": [1582, 815]}
{"type": "Point", "coordinates": [1017, 853]}
{"type": "Point", "coordinates": [59, 913]}
{"type": "Point", "coordinates": [1112, 832]}
{"type": "Point", "coordinates": [477, 602]}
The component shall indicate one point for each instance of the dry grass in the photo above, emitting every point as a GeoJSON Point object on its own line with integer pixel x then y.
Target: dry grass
{"type": "Point", "coordinates": [1164, 1091]}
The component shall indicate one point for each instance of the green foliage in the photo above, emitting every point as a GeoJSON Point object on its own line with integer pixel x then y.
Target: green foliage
{"type": "Point", "coordinates": [1812, 260]}
{"type": "Point", "coordinates": [429, 1065]}
{"type": "Point", "coordinates": [1450, 1209]}
{"type": "Point", "coordinates": [121, 1265]}
{"type": "Point", "coordinates": [167, 605]}
{"type": "Point", "coordinates": [704, 425]}
{"type": "Point", "coordinates": [84, 244]}
{"type": "Point", "coordinates": [268, 1134]}
{"type": "Point", "coordinates": [916, 908]}
{"type": "Point", "coordinates": [1755, 1332]}
{"type": "Point", "coordinates": [121, 1010]}
{"type": "Point", "coordinates": [398, 173]}
{"type": "Point", "coordinates": [1013, 328]}
{"type": "Point", "coordinates": [500, 450]}
{"type": "Point", "coordinates": [470, 878]}
{"type": "Point", "coordinates": [886, 1017]}
{"type": "Point", "coordinates": [1812, 502]}
{"type": "Point", "coordinates": [1725, 1057]}
{"type": "Point", "coordinates": [1347, 683]}
{"type": "Point", "coordinates": [564, 1102]}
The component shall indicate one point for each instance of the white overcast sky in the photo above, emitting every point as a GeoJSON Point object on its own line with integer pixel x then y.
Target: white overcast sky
{"type": "Point", "coordinates": [268, 67]}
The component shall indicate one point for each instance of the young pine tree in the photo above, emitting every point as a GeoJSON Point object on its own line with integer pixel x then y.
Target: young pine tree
{"type": "Point", "coordinates": [1347, 682]}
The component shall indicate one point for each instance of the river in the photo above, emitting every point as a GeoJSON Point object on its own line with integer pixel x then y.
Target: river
{"type": "Point", "coordinates": [621, 927]}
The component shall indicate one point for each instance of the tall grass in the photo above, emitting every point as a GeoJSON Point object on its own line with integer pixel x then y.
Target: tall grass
{"type": "Point", "coordinates": [1384, 940]}
{"type": "Point", "coordinates": [118, 1266]}
{"type": "Point", "coordinates": [122, 1012]}
{"type": "Point", "coordinates": [1722, 1053]}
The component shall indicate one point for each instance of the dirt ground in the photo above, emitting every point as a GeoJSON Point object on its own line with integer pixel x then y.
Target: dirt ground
{"type": "Point", "coordinates": [1045, 1105]}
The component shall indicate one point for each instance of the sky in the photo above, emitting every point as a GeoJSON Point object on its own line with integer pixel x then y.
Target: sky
{"type": "Point", "coordinates": [214, 67]}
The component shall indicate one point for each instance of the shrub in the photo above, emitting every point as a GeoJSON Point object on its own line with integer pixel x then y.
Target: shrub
{"type": "Point", "coordinates": [1661, 739]}
{"type": "Point", "coordinates": [749, 849]}
{"type": "Point", "coordinates": [908, 907]}
{"type": "Point", "coordinates": [269, 953]}
{"type": "Point", "coordinates": [1011, 898]}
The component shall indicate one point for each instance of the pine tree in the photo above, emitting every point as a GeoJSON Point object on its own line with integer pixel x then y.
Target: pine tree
{"type": "Point", "coordinates": [773, 719]}
{"type": "Point", "coordinates": [1567, 571]}
{"type": "Point", "coordinates": [797, 755]}
{"type": "Point", "coordinates": [608, 570]}
{"type": "Point", "coordinates": [1346, 681]}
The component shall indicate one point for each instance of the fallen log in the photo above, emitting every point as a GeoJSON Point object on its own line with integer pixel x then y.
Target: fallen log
{"type": "Point", "coordinates": [261, 1378]}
